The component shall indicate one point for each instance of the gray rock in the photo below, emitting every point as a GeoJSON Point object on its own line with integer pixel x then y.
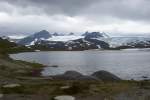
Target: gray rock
{"type": "Point", "coordinates": [64, 87]}
{"type": "Point", "coordinates": [64, 97]}
{"type": "Point", "coordinates": [1, 95]}
{"type": "Point", "coordinates": [11, 85]}
{"type": "Point", "coordinates": [105, 76]}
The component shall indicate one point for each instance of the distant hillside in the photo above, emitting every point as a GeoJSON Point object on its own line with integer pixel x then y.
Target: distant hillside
{"type": "Point", "coordinates": [11, 47]}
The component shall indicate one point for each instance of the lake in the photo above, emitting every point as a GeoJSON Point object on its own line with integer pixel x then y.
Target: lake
{"type": "Point", "coordinates": [127, 64]}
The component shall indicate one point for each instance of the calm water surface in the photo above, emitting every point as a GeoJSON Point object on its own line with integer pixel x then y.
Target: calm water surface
{"type": "Point", "coordinates": [127, 64]}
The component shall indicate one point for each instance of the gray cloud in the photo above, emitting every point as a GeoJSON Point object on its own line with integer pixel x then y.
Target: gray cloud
{"type": "Point", "coordinates": [124, 9]}
{"type": "Point", "coordinates": [68, 7]}
{"type": "Point", "coordinates": [66, 15]}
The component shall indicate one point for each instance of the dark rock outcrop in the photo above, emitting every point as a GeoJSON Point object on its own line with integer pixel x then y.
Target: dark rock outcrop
{"type": "Point", "coordinates": [96, 42]}
{"type": "Point", "coordinates": [71, 33]}
{"type": "Point", "coordinates": [55, 34]}
{"type": "Point", "coordinates": [93, 35]}
{"type": "Point", "coordinates": [105, 76]}
{"type": "Point", "coordinates": [97, 76]}
{"type": "Point", "coordinates": [73, 75]}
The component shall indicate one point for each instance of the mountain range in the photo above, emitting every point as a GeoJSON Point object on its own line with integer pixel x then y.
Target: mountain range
{"type": "Point", "coordinates": [44, 40]}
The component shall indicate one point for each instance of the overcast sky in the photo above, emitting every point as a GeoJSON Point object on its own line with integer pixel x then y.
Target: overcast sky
{"type": "Point", "coordinates": [78, 16]}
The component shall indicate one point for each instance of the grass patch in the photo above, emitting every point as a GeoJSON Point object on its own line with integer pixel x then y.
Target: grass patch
{"type": "Point", "coordinates": [75, 87]}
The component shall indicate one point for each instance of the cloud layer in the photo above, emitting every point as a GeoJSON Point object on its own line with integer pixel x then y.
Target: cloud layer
{"type": "Point", "coordinates": [113, 16]}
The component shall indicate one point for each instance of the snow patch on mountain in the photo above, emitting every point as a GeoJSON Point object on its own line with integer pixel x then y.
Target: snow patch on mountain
{"type": "Point", "coordinates": [65, 38]}
{"type": "Point", "coordinates": [33, 42]}
{"type": "Point", "coordinates": [17, 36]}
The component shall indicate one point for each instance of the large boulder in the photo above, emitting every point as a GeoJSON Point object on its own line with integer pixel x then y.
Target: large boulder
{"type": "Point", "coordinates": [105, 76]}
{"type": "Point", "coordinates": [12, 88]}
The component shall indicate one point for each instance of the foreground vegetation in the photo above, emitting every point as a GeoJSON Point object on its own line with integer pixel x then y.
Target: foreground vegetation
{"type": "Point", "coordinates": [82, 90]}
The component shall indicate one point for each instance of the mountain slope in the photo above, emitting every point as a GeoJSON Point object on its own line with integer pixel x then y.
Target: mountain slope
{"type": "Point", "coordinates": [99, 39]}
{"type": "Point", "coordinates": [95, 35]}
{"type": "Point", "coordinates": [30, 40]}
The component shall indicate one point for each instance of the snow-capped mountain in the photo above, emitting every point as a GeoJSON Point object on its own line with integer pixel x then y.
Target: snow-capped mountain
{"type": "Point", "coordinates": [30, 40]}
{"type": "Point", "coordinates": [98, 38]}
{"type": "Point", "coordinates": [44, 39]}
{"type": "Point", "coordinates": [45, 35]}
